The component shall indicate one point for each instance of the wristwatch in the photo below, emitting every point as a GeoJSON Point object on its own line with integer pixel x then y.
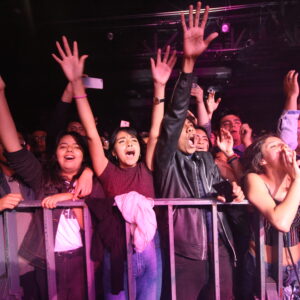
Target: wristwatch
{"type": "Point", "coordinates": [157, 100]}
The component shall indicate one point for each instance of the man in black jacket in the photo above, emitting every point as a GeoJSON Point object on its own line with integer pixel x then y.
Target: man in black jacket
{"type": "Point", "coordinates": [181, 173]}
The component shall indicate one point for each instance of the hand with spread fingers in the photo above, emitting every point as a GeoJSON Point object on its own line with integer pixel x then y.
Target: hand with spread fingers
{"type": "Point", "coordinates": [193, 35]}
{"type": "Point", "coordinates": [162, 68]}
{"type": "Point", "coordinates": [225, 142]}
{"type": "Point", "coordinates": [69, 60]}
{"type": "Point", "coordinates": [212, 104]}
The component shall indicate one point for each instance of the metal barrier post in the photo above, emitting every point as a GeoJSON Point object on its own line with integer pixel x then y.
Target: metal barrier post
{"type": "Point", "coordinates": [10, 225]}
{"type": "Point", "coordinates": [261, 257]}
{"type": "Point", "coordinates": [216, 250]}
{"type": "Point", "coordinates": [172, 251]}
{"type": "Point", "coordinates": [3, 274]}
{"type": "Point", "coordinates": [50, 258]}
{"type": "Point", "coordinates": [279, 277]}
{"type": "Point", "coordinates": [2, 243]}
{"type": "Point", "coordinates": [129, 263]}
{"type": "Point", "coordinates": [89, 263]}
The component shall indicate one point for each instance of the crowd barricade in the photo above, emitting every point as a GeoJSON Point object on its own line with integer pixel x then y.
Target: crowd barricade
{"type": "Point", "coordinates": [9, 271]}
{"type": "Point", "coordinates": [269, 288]}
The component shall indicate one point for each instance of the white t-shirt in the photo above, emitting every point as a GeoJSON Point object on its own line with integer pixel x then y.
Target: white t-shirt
{"type": "Point", "coordinates": [68, 235]}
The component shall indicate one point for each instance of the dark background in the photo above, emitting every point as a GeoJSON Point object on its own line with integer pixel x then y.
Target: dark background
{"type": "Point", "coordinates": [246, 65]}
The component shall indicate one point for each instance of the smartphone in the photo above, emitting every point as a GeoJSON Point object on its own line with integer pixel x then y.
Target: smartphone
{"type": "Point", "coordinates": [224, 188]}
{"type": "Point", "coordinates": [92, 83]}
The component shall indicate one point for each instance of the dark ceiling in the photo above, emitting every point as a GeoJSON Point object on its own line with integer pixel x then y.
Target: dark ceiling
{"type": "Point", "coordinates": [246, 65]}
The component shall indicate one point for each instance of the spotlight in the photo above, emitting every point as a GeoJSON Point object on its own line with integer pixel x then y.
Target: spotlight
{"type": "Point", "coordinates": [225, 27]}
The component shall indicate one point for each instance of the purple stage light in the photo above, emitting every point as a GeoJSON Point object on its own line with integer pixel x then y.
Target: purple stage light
{"type": "Point", "coordinates": [225, 27]}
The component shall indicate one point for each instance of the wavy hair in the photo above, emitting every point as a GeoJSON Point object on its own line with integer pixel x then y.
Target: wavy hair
{"type": "Point", "coordinates": [53, 180]}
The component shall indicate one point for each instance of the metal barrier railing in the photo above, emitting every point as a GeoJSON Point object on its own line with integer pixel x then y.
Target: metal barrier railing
{"type": "Point", "coordinates": [270, 289]}
{"type": "Point", "coordinates": [10, 284]}
{"type": "Point", "coordinates": [9, 254]}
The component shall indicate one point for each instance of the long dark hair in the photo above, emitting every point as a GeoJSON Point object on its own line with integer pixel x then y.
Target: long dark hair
{"type": "Point", "coordinates": [53, 180]}
{"type": "Point", "coordinates": [251, 159]}
{"type": "Point", "coordinates": [131, 131]}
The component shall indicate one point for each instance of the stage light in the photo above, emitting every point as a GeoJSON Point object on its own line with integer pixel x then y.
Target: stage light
{"type": "Point", "coordinates": [225, 27]}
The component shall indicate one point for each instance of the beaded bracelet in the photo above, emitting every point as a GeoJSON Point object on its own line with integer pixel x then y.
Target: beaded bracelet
{"type": "Point", "coordinates": [80, 97]}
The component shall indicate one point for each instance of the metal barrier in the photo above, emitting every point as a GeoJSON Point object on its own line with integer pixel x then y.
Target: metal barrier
{"type": "Point", "coordinates": [9, 273]}
{"type": "Point", "coordinates": [269, 289]}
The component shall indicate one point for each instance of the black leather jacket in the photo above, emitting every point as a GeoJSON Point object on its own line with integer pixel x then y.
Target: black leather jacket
{"type": "Point", "coordinates": [178, 175]}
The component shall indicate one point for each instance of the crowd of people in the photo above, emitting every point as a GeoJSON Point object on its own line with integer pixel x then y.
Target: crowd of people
{"type": "Point", "coordinates": [182, 157]}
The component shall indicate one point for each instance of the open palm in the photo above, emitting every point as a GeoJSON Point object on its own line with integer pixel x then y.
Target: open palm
{"type": "Point", "coordinates": [162, 69]}
{"type": "Point", "coordinates": [193, 37]}
{"type": "Point", "coordinates": [71, 64]}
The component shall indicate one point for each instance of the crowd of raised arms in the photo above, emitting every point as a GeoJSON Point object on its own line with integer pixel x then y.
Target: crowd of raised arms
{"type": "Point", "coordinates": [118, 177]}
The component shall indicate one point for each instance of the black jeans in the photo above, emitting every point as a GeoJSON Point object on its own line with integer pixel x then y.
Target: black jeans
{"type": "Point", "coordinates": [70, 276]}
{"type": "Point", "coordinates": [195, 278]}
{"type": "Point", "coordinates": [191, 277]}
{"type": "Point", "coordinates": [226, 275]}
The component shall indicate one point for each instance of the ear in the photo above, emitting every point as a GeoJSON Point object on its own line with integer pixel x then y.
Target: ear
{"type": "Point", "coordinates": [262, 162]}
{"type": "Point", "coordinates": [113, 153]}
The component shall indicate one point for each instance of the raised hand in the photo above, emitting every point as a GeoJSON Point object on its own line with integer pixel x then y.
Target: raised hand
{"type": "Point", "coordinates": [193, 36]}
{"type": "Point", "coordinates": [197, 92]}
{"type": "Point", "coordinates": [69, 60]}
{"type": "Point", "coordinates": [290, 84]}
{"type": "Point", "coordinates": [212, 104]}
{"type": "Point", "coordinates": [162, 69]}
{"type": "Point", "coordinates": [246, 134]}
{"type": "Point", "coordinates": [225, 142]}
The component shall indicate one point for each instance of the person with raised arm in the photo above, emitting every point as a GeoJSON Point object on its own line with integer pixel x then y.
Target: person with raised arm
{"type": "Point", "coordinates": [287, 127]}
{"type": "Point", "coordinates": [128, 174]}
{"type": "Point", "coordinates": [230, 167]}
{"type": "Point", "coordinates": [272, 185]}
{"type": "Point", "coordinates": [206, 109]}
{"type": "Point", "coordinates": [181, 172]}
{"type": "Point", "coordinates": [52, 184]}
{"type": "Point", "coordinates": [226, 159]}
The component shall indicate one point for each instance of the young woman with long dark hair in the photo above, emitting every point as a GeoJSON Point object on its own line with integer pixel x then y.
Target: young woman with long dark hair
{"type": "Point", "coordinates": [129, 173]}
{"type": "Point", "coordinates": [55, 183]}
{"type": "Point", "coordinates": [272, 185]}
